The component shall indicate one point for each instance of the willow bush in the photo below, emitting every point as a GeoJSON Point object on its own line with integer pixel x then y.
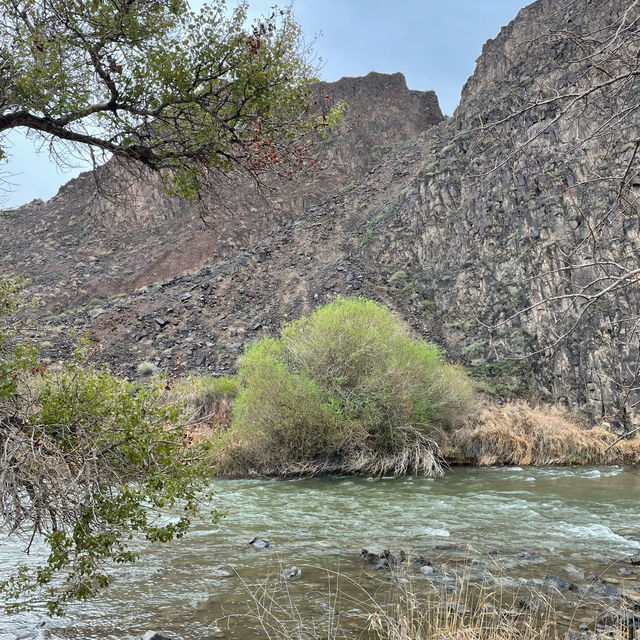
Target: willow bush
{"type": "Point", "coordinates": [344, 389]}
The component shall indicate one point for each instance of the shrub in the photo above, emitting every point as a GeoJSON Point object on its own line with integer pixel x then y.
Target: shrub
{"type": "Point", "coordinates": [345, 384]}
{"type": "Point", "coordinates": [204, 395]}
{"type": "Point", "coordinates": [146, 368]}
{"type": "Point", "coordinates": [88, 461]}
{"type": "Point", "coordinates": [17, 354]}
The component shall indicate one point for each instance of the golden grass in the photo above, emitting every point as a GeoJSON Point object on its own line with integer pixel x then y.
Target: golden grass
{"type": "Point", "coordinates": [404, 608]}
{"type": "Point", "coordinates": [238, 456]}
{"type": "Point", "coordinates": [526, 434]}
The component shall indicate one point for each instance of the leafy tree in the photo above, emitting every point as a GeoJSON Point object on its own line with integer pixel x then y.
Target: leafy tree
{"type": "Point", "coordinates": [157, 85]}
{"type": "Point", "coordinates": [87, 460]}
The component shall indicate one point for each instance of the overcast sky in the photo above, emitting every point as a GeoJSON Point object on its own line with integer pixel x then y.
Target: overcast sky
{"type": "Point", "coordinates": [434, 43]}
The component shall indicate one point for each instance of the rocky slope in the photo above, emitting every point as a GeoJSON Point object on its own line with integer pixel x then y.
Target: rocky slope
{"type": "Point", "coordinates": [108, 233]}
{"type": "Point", "coordinates": [474, 233]}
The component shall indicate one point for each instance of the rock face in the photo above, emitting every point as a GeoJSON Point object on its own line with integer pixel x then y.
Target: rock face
{"type": "Point", "coordinates": [109, 233]}
{"type": "Point", "coordinates": [478, 235]}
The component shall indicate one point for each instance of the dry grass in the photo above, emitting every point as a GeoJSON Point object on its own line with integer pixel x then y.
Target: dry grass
{"type": "Point", "coordinates": [463, 615]}
{"type": "Point", "coordinates": [403, 608]}
{"type": "Point", "coordinates": [525, 434]}
{"type": "Point", "coordinates": [241, 457]}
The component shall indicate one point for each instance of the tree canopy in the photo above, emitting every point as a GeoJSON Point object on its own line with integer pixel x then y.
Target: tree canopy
{"type": "Point", "coordinates": [158, 85]}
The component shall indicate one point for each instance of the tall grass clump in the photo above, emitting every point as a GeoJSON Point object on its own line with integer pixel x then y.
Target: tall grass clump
{"type": "Point", "coordinates": [346, 389]}
{"type": "Point", "coordinates": [405, 608]}
{"type": "Point", "coordinates": [204, 395]}
{"type": "Point", "coordinates": [521, 433]}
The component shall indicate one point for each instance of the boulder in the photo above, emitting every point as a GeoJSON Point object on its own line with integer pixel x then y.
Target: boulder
{"type": "Point", "coordinates": [260, 543]}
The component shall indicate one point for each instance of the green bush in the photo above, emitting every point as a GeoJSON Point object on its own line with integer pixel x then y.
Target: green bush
{"type": "Point", "coordinates": [345, 380]}
{"type": "Point", "coordinates": [17, 354]}
{"type": "Point", "coordinates": [287, 413]}
{"type": "Point", "coordinates": [89, 461]}
{"type": "Point", "coordinates": [202, 394]}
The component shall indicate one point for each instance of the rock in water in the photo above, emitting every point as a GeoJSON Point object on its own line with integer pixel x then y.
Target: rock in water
{"type": "Point", "coordinates": [420, 562]}
{"type": "Point", "coordinates": [152, 635]}
{"type": "Point", "coordinates": [531, 604]}
{"type": "Point", "coordinates": [558, 583]}
{"type": "Point", "coordinates": [260, 543]}
{"type": "Point", "coordinates": [623, 620]}
{"type": "Point", "coordinates": [372, 554]}
{"type": "Point", "coordinates": [292, 573]}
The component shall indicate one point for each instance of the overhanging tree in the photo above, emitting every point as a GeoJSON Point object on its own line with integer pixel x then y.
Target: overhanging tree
{"type": "Point", "coordinates": [88, 461]}
{"type": "Point", "coordinates": [157, 85]}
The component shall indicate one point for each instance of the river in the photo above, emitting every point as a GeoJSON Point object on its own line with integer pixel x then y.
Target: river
{"type": "Point", "coordinates": [569, 522]}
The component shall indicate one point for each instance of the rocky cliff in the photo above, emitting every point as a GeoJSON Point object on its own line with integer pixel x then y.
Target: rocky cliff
{"type": "Point", "coordinates": [108, 233]}
{"type": "Point", "coordinates": [487, 231]}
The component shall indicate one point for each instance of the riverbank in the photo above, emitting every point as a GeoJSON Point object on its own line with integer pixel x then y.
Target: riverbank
{"type": "Point", "coordinates": [507, 433]}
{"type": "Point", "coordinates": [525, 434]}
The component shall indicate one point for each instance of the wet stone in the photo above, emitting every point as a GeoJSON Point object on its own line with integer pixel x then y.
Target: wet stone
{"type": "Point", "coordinates": [421, 561]}
{"type": "Point", "coordinates": [558, 583]}
{"type": "Point", "coordinates": [529, 603]}
{"type": "Point", "coordinates": [292, 573]}
{"type": "Point", "coordinates": [260, 543]}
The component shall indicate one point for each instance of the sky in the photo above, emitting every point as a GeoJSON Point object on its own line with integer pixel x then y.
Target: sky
{"type": "Point", "coordinates": [433, 42]}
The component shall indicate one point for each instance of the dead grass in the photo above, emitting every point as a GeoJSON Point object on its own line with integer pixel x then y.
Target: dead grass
{"type": "Point", "coordinates": [404, 608]}
{"type": "Point", "coordinates": [241, 457]}
{"type": "Point", "coordinates": [524, 434]}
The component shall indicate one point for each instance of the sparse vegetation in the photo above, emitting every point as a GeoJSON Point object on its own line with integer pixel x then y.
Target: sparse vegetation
{"type": "Point", "coordinates": [398, 276]}
{"type": "Point", "coordinates": [344, 389]}
{"type": "Point", "coordinates": [147, 369]}
{"type": "Point", "coordinates": [94, 303]}
{"type": "Point", "coordinates": [204, 395]}
{"type": "Point", "coordinates": [410, 608]}
{"type": "Point", "coordinates": [504, 378]}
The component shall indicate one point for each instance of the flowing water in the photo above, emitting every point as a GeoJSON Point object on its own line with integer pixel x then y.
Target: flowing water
{"type": "Point", "coordinates": [514, 524]}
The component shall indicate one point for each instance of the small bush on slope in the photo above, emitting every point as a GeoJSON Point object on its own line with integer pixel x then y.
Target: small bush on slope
{"type": "Point", "coordinates": [345, 389]}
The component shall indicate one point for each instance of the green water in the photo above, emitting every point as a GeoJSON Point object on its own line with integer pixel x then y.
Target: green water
{"type": "Point", "coordinates": [515, 524]}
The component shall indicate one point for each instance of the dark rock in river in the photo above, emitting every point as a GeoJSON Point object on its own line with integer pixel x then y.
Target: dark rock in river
{"type": "Point", "coordinates": [292, 573]}
{"type": "Point", "coordinates": [420, 562]}
{"type": "Point", "coordinates": [622, 620]}
{"type": "Point", "coordinates": [382, 558]}
{"type": "Point", "coordinates": [531, 604]}
{"type": "Point", "coordinates": [604, 590]}
{"type": "Point", "coordinates": [152, 635]}
{"type": "Point", "coordinates": [558, 583]}
{"type": "Point", "coordinates": [260, 543]}
{"type": "Point", "coordinates": [372, 554]}
{"type": "Point", "coordinates": [390, 560]}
